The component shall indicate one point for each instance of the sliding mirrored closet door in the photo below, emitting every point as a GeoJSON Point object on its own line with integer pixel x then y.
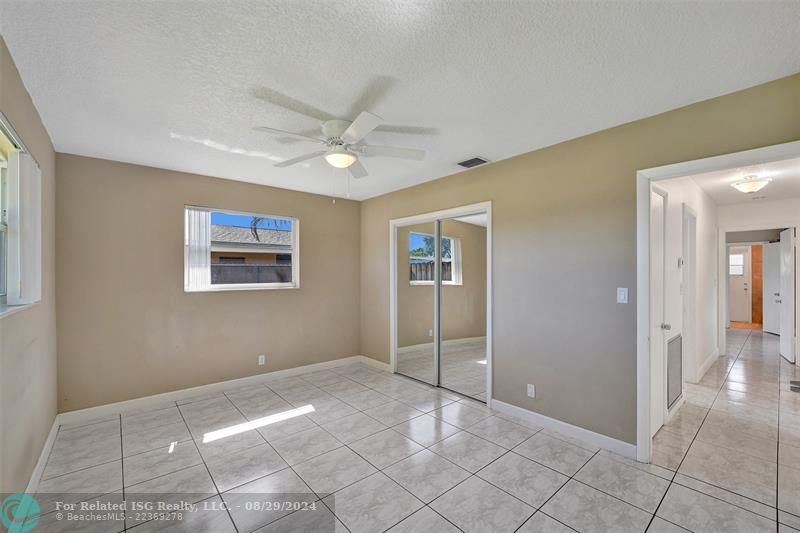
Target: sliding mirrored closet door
{"type": "Point", "coordinates": [416, 273]}
{"type": "Point", "coordinates": [441, 302]}
{"type": "Point", "coordinates": [463, 306]}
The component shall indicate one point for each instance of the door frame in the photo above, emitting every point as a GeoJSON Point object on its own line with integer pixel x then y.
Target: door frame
{"type": "Point", "coordinates": [644, 178]}
{"type": "Point", "coordinates": [465, 210]}
{"type": "Point", "coordinates": [748, 265]}
{"type": "Point", "coordinates": [662, 412]}
{"type": "Point", "coordinates": [722, 297]}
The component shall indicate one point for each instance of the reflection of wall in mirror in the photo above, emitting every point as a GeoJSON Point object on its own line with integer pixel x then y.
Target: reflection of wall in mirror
{"type": "Point", "coordinates": [463, 306]}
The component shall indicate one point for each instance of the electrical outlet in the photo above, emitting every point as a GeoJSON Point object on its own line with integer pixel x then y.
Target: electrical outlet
{"type": "Point", "coordinates": [430, 333]}
{"type": "Point", "coordinates": [262, 360]}
{"type": "Point", "coordinates": [531, 391]}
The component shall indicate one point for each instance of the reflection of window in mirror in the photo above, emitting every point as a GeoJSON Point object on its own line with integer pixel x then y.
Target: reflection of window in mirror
{"type": "Point", "coordinates": [421, 258]}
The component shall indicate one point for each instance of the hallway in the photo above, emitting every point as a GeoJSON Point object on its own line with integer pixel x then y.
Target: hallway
{"type": "Point", "coordinates": [737, 437]}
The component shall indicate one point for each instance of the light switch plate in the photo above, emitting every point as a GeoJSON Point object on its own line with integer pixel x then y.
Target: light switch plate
{"type": "Point", "coordinates": [622, 295]}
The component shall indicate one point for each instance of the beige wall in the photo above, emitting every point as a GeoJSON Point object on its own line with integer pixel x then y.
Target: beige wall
{"type": "Point", "coordinates": [126, 327]}
{"type": "Point", "coordinates": [564, 222]}
{"type": "Point", "coordinates": [28, 338]}
{"type": "Point", "coordinates": [463, 306]}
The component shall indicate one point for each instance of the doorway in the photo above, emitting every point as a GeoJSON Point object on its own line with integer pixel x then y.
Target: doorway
{"type": "Point", "coordinates": [761, 274]}
{"type": "Point", "coordinates": [440, 299]}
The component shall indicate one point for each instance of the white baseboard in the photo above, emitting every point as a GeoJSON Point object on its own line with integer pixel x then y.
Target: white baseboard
{"type": "Point", "coordinates": [90, 413]}
{"type": "Point", "coordinates": [100, 411]}
{"type": "Point", "coordinates": [38, 470]}
{"type": "Point", "coordinates": [589, 437]}
{"type": "Point", "coordinates": [710, 360]}
{"type": "Point", "coordinates": [449, 342]}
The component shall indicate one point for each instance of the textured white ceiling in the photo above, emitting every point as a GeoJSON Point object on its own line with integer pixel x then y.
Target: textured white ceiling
{"type": "Point", "coordinates": [180, 84]}
{"type": "Point", "coordinates": [785, 176]}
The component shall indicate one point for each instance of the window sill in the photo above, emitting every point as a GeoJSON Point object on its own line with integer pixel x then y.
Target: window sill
{"type": "Point", "coordinates": [246, 287]}
{"type": "Point", "coordinates": [430, 283]}
{"type": "Point", "coordinates": [8, 310]}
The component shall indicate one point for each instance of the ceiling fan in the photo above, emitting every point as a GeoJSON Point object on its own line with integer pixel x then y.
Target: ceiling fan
{"type": "Point", "coordinates": [342, 141]}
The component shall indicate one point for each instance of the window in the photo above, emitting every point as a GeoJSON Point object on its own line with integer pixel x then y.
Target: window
{"type": "Point", "coordinates": [421, 259]}
{"type": "Point", "coordinates": [231, 250]}
{"type": "Point", "coordinates": [20, 223]}
{"type": "Point", "coordinates": [736, 265]}
{"type": "Point", "coordinates": [3, 230]}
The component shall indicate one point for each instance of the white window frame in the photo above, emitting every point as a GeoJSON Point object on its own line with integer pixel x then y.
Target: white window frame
{"type": "Point", "coordinates": [455, 251]}
{"type": "Point", "coordinates": [4, 231]}
{"type": "Point", "coordinates": [208, 287]}
{"type": "Point", "coordinates": [22, 225]}
{"type": "Point", "coordinates": [731, 264]}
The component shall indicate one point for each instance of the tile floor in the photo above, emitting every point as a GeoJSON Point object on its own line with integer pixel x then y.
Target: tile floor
{"type": "Point", "coordinates": [380, 452]}
{"type": "Point", "coordinates": [735, 442]}
{"type": "Point", "coordinates": [463, 365]}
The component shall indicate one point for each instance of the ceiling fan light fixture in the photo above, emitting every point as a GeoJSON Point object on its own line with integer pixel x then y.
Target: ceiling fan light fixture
{"type": "Point", "coordinates": [751, 184]}
{"type": "Point", "coordinates": [340, 158]}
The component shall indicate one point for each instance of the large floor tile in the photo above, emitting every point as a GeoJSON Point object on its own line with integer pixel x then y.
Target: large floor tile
{"type": "Point", "coordinates": [427, 475]}
{"type": "Point", "coordinates": [315, 518]}
{"type": "Point", "coordinates": [372, 504]}
{"type": "Point", "coordinates": [460, 415]}
{"type": "Point", "coordinates": [424, 520]}
{"type": "Point", "coordinates": [523, 478]}
{"type": "Point", "coordinates": [789, 489]}
{"type": "Point", "coordinates": [726, 496]}
{"type": "Point", "coordinates": [158, 437]}
{"type": "Point", "coordinates": [208, 517]}
{"type": "Point", "coordinates": [306, 444]}
{"type": "Point", "coordinates": [64, 523]}
{"type": "Point", "coordinates": [732, 470]}
{"type": "Point", "coordinates": [541, 523]}
{"type": "Point", "coordinates": [590, 511]}
{"type": "Point", "coordinates": [353, 427]}
{"type": "Point", "coordinates": [230, 445]}
{"type": "Point", "coordinates": [142, 421]}
{"type": "Point", "coordinates": [554, 453]}
{"type": "Point", "coordinates": [283, 489]}
{"type": "Point", "coordinates": [695, 511]}
{"type": "Point", "coordinates": [426, 430]}
{"type": "Point", "coordinates": [245, 466]}
{"type": "Point", "coordinates": [366, 399]}
{"type": "Point", "coordinates": [501, 432]}
{"type": "Point", "coordinates": [72, 455]}
{"type": "Point", "coordinates": [392, 413]}
{"type": "Point", "coordinates": [80, 485]}
{"type": "Point", "coordinates": [468, 451]}
{"type": "Point", "coordinates": [333, 470]}
{"type": "Point", "coordinates": [284, 428]}
{"type": "Point", "coordinates": [659, 525]}
{"type": "Point", "coordinates": [385, 448]}
{"type": "Point", "coordinates": [159, 462]}
{"type": "Point", "coordinates": [181, 488]}
{"type": "Point", "coordinates": [624, 482]}
{"type": "Point", "coordinates": [476, 506]}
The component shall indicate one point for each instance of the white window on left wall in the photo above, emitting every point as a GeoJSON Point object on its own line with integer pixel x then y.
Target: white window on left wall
{"type": "Point", "coordinates": [236, 250]}
{"type": "Point", "coordinates": [20, 223]}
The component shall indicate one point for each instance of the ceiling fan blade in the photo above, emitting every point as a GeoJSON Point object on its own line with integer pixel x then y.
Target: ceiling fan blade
{"type": "Point", "coordinates": [279, 99]}
{"type": "Point", "coordinates": [364, 123]}
{"type": "Point", "coordinates": [300, 159]}
{"type": "Point", "coordinates": [290, 134]}
{"type": "Point", "coordinates": [391, 151]}
{"type": "Point", "coordinates": [357, 170]}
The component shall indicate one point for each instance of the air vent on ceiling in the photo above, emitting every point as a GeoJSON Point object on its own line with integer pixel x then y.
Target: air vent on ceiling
{"type": "Point", "coordinates": [473, 162]}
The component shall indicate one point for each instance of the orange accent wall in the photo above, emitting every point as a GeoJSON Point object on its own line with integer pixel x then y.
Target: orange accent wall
{"type": "Point", "coordinates": [757, 260]}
